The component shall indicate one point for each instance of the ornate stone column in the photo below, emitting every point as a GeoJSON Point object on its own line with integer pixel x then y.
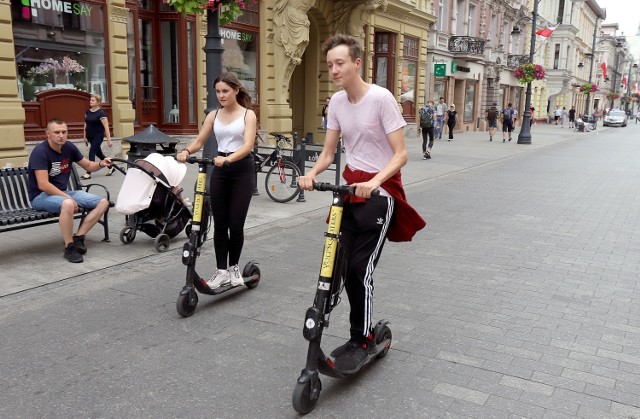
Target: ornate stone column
{"type": "Point", "coordinates": [123, 113]}
{"type": "Point", "coordinates": [12, 147]}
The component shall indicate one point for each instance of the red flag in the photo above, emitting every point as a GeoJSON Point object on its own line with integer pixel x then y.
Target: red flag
{"type": "Point", "coordinates": [624, 80]}
{"type": "Point", "coordinates": [603, 66]}
{"type": "Point", "coordinates": [546, 32]}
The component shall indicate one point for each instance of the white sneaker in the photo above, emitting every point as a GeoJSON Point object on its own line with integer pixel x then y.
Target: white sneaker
{"type": "Point", "coordinates": [220, 278]}
{"type": "Point", "coordinates": [236, 276]}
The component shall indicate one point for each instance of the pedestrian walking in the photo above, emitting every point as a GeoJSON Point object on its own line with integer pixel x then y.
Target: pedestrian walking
{"type": "Point", "coordinates": [325, 109]}
{"type": "Point", "coordinates": [563, 116]}
{"type": "Point", "coordinates": [556, 114]}
{"type": "Point", "coordinates": [452, 120]}
{"type": "Point", "coordinates": [441, 111]}
{"type": "Point", "coordinates": [427, 121]}
{"type": "Point", "coordinates": [231, 184]}
{"type": "Point", "coordinates": [572, 117]}
{"type": "Point", "coordinates": [49, 172]}
{"type": "Point", "coordinates": [492, 119]}
{"type": "Point", "coordinates": [367, 220]}
{"type": "Point", "coordinates": [96, 126]}
{"type": "Point", "coordinates": [507, 122]}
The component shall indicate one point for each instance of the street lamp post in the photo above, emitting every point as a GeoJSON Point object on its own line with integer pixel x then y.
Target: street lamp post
{"type": "Point", "coordinates": [593, 60]}
{"type": "Point", "coordinates": [213, 51]}
{"type": "Point", "coordinates": [524, 136]}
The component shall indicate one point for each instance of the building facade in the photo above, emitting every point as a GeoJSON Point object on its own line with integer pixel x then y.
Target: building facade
{"type": "Point", "coordinates": [147, 63]}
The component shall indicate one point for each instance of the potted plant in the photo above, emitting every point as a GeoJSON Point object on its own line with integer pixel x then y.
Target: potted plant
{"type": "Point", "coordinates": [40, 74]}
{"type": "Point", "coordinates": [612, 96]}
{"type": "Point", "coordinates": [230, 10]}
{"type": "Point", "coordinates": [526, 73]}
{"type": "Point", "coordinates": [587, 88]}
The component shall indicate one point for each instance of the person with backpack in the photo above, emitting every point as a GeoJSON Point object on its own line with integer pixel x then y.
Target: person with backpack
{"type": "Point", "coordinates": [507, 121]}
{"type": "Point", "coordinates": [427, 121]}
{"type": "Point", "coordinates": [492, 119]}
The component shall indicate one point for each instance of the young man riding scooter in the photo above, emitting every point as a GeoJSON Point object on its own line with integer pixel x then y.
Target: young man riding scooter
{"type": "Point", "coordinates": [368, 119]}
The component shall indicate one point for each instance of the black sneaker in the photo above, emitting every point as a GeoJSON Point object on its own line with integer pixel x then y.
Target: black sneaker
{"type": "Point", "coordinates": [353, 357]}
{"type": "Point", "coordinates": [342, 349]}
{"type": "Point", "coordinates": [72, 255]}
{"type": "Point", "coordinates": [79, 243]}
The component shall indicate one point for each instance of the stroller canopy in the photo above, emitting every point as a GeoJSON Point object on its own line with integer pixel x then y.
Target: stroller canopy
{"type": "Point", "coordinates": [140, 182]}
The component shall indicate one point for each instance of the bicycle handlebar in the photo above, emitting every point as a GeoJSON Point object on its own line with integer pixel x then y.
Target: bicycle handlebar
{"type": "Point", "coordinates": [346, 189]}
{"type": "Point", "coordinates": [280, 137]}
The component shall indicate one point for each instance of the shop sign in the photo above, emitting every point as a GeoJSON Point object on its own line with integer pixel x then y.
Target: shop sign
{"type": "Point", "coordinates": [464, 69]}
{"type": "Point", "coordinates": [454, 66]}
{"type": "Point", "coordinates": [439, 70]}
{"type": "Point", "coordinates": [235, 35]}
{"type": "Point", "coordinates": [30, 7]}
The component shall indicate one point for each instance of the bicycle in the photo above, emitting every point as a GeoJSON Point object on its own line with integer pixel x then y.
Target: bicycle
{"type": "Point", "coordinates": [330, 284]}
{"type": "Point", "coordinates": [281, 181]}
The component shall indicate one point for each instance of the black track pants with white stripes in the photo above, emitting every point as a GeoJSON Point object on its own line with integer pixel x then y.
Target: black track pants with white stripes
{"type": "Point", "coordinates": [364, 231]}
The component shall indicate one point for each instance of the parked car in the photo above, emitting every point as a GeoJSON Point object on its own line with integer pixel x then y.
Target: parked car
{"type": "Point", "coordinates": [615, 117]}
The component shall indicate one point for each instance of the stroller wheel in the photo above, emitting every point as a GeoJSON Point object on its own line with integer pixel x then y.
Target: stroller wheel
{"type": "Point", "coordinates": [162, 242]}
{"type": "Point", "coordinates": [127, 235]}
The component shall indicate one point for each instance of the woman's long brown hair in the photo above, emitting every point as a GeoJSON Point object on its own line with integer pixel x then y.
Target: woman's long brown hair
{"type": "Point", "coordinates": [243, 97]}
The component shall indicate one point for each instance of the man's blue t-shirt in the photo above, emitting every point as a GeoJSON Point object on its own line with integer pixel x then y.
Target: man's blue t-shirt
{"type": "Point", "coordinates": [57, 164]}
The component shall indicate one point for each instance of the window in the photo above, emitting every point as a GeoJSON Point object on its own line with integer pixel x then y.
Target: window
{"type": "Point", "coordinates": [384, 60]}
{"type": "Point", "coordinates": [556, 57]}
{"type": "Point", "coordinates": [439, 90]}
{"type": "Point", "coordinates": [241, 56]}
{"type": "Point", "coordinates": [170, 71]}
{"type": "Point", "coordinates": [560, 12]}
{"type": "Point", "coordinates": [460, 18]}
{"type": "Point", "coordinates": [60, 49]}
{"type": "Point", "coordinates": [472, 21]}
{"type": "Point", "coordinates": [409, 77]}
{"type": "Point", "coordinates": [441, 16]}
{"type": "Point", "coordinates": [469, 96]}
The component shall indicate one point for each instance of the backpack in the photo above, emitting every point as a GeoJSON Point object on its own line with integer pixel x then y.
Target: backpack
{"type": "Point", "coordinates": [426, 118]}
{"type": "Point", "coordinates": [506, 115]}
{"type": "Point", "coordinates": [492, 115]}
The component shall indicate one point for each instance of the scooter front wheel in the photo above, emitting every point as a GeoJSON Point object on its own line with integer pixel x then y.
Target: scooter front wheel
{"type": "Point", "coordinates": [301, 398]}
{"type": "Point", "coordinates": [187, 303]}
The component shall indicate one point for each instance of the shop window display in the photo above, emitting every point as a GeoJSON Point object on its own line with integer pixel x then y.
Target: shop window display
{"type": "Point", "coordinates": [241, 56]}
{"type": "Point", "coordinates": [59, 45]}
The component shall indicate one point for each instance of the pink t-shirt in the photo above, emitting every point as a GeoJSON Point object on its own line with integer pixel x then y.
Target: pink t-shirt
{"type": "Point", "coordinates": [365, 125]}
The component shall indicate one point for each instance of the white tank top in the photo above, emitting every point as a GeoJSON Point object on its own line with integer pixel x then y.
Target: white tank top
{"type": "Point", "coordinates": [230, 136]}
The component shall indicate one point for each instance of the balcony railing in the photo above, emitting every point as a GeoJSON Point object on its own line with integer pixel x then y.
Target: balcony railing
{"type": "Point", "coordinates": [515, 60]}
{"type": "Point", "coordinates": [466, 44]}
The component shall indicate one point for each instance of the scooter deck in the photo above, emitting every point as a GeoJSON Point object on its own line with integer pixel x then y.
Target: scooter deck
{"type": "Point", "coordinates": [203, 288]}
{"type": "Point", "coordinates": [327, 367]}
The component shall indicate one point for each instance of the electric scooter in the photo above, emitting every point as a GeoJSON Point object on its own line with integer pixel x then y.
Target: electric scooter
{"type": "Point", "coordinates": [330, 284]}
{"type": "Point", "coordinates": [197, 231]}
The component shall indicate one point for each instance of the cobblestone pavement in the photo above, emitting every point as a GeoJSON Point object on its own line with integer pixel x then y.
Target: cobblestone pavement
{"type": "Point", "coordinates": [518, 300]}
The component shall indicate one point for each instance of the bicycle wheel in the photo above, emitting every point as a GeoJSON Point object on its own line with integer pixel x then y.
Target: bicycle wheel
{"type": "Point", "coordinates": [282, 182]}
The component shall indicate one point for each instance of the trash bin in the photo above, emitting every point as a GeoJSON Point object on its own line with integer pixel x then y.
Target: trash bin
{"type": "Point", "coordinates": [151, 140]}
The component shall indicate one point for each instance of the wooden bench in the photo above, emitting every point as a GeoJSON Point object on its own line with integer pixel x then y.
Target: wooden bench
{"type": "Point", "coordinates": [16, 212]}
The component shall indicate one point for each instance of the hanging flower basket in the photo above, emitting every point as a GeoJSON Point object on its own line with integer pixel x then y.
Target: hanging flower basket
{"type": "Point", "coordinates": [587, 88]}
{"type": "Point", "coordinates": [230, 10]}
{"type": "Point", "coordinates": [612, 96]}
{"type": "Point", "coordinates": [526, 73]}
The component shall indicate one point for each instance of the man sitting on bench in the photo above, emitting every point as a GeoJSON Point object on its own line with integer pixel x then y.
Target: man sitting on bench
{"type": "Point", "coordinates": [49, 172]}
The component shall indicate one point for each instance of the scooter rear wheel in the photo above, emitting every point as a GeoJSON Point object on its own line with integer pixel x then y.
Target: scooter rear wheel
{"type": "Point", "coordinates": [301, 398]}
{"type": "Point", "coordinates": [187, 303]}
{"type": "Point", "coordinates": [384, 334]}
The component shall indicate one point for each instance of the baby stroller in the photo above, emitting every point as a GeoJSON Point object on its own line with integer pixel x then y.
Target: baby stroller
{"type": "Point", "coordinates": [151, 200]}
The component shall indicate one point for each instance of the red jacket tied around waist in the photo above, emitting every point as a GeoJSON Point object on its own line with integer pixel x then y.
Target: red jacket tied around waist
{"type": "Point", "coordinates": [406, 220]}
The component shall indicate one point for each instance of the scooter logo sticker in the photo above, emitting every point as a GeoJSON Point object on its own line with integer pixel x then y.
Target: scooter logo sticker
{"type": "Point", "coordinates": [310, 324]}
{"type": "Point", "coordinates": [325, 286]}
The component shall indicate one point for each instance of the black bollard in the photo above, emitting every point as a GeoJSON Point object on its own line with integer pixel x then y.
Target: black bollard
{"type": "Point", "coordinates": [302, 157]}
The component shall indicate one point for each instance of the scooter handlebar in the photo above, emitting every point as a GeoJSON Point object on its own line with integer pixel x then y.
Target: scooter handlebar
{"type": "Point", "coordinates": [346, 189]}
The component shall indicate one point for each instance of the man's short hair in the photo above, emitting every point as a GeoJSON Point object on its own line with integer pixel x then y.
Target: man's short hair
{"type": "Point", "coordinates": [495, 103]}
{"type": "Point", "coordinates": [355, 50]}
{"type": "Point", "coordinates": [441, 98]}
{"type": "Point", "coordinates": [56, 120]}
{"type": "Point", "coordinates": [509, 105]}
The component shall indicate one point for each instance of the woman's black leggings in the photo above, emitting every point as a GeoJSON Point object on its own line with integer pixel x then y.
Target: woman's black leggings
{"type": "Point", "coordinates": [231, 189]}
{"type": "Point", "coordinates": [451, 127]}
{"type": "Point", "coordinates": [94, 149]}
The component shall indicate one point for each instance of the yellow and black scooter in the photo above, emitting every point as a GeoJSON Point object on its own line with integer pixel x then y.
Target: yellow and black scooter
{"type": "Point", "coordinates": [197, 231]}
{"type": "Point", "coordinates": [330, 284]}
